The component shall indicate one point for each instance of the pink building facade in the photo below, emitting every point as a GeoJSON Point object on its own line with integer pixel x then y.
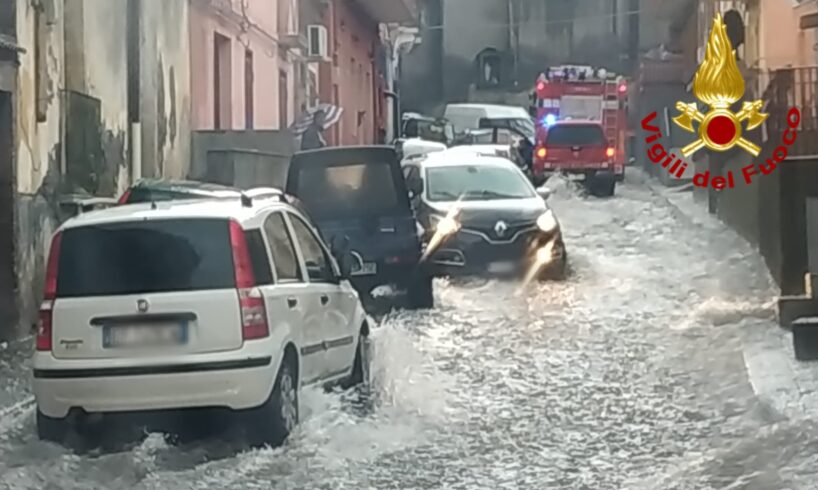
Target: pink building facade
{"type": "Point", "coordinates": [243, 70]}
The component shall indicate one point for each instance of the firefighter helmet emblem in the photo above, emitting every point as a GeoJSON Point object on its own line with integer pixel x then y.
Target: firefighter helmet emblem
{"type": "Point", "coordinates": [719, 84]}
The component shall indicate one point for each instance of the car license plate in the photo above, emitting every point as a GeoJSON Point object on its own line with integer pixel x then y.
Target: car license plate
{"type": "Point", "coordinates": [367, 269]}
{"type": "Point", "coordinates": [500, 267]}
{"type": "Point", "coordinates": [144, 336]}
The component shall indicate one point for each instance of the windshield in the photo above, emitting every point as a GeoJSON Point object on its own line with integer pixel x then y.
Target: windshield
{"type": "Point", "coordinates": [575, 135]}
{"type": "Point", "coordinates": [348, 190]}
{"type": "Point", "coordinates": [145, 257]}
{"type": "Point", "coordinates": [428, 130]}
{"type": "Point", "coordinates": [476, 183]}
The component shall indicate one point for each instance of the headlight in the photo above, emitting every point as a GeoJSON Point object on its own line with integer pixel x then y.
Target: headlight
{"type": "Point", "coordinates": [547, 222]}
{"type": "Point", "coordinates": [445, 225]}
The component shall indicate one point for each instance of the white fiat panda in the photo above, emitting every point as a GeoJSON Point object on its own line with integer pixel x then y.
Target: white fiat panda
{"type": "Point", "coordinates": [229, 303]}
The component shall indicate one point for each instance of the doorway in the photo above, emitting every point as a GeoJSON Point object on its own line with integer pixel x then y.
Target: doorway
{"type": "Point", "coordinates": [8, 310]}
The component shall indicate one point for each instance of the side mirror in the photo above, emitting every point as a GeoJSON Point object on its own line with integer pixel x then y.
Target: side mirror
{"type": "Point", "coordinates": [339, 245]}
{"type": "Point", "coordinates": [415, 187]}
{"type": "Point", "coordinates": [345, 264]}
{"type": "Point", "coordinates": [544, 192]}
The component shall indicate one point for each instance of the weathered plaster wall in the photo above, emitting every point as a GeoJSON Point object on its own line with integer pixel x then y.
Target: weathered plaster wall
{"type": "Point", "coordinates": [38, 155]}
{"type": "Point", "coordinates": [96, 78]}
{"type": "Point", "coordinates": [165, 88]}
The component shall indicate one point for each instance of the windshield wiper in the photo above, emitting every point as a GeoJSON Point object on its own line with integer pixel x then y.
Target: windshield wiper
{"type": "Point", "coordinates": [493, 194]}
{"type": "Point", "coordinates": [446, 195]}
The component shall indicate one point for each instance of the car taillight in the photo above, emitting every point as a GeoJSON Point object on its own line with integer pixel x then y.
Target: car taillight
{"type": "Point", "coordinates": [124, 198]}
{"type": "Point", "coordinates": [610, 152]}
{"type": "Point", "coordinates": [541, 152]}
{"type": "Point", "coordinates": [44, 328]}
{"type": "Point", "coordinates": [251, 302]}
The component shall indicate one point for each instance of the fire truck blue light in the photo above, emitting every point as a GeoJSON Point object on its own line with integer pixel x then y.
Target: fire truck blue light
{"type": "Point", "coordinates": [549, 119]}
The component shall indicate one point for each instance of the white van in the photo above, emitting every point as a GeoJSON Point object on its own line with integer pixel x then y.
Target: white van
{"type": "Point", "coordinates": [467, 116]}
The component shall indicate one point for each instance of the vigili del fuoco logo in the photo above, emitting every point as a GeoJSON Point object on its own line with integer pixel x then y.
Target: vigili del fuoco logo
{"type": "Point", "coordinates": [718, 84]}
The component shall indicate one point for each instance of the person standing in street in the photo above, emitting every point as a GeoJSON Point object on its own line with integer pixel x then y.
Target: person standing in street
{"type": "Point", "coordinates": [313, 137]}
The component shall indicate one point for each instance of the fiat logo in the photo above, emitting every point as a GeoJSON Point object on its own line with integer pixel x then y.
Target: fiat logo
{"type": "Point", "coordinates": [142, 306]}
{"type": "Point", "coordinates": [500, 228]}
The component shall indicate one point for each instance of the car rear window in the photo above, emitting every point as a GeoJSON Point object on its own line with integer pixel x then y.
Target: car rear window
{"type": "Point", "coordinates": [145, 257]}
{"type": "Point", "coordinates": [575, 135]}
{"type": "Point", "coordinates": [348, 190]}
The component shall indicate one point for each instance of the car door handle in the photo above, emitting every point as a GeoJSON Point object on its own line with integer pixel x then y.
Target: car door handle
{"type": "Point", "coordinates": [324, 299]}
{"type": "Point", "coordinates": [292, 302]}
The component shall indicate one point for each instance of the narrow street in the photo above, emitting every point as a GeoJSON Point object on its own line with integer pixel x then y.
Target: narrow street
{"type": "Point", "coordinates": [630, 374]}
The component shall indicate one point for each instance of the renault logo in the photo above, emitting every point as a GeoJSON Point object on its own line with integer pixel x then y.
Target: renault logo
{"type": "Point", "coordinates": [500, 228]}
{"type": "Point", "coordinates": [142, 306]}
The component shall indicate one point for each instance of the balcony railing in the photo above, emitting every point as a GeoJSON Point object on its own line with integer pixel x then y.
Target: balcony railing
{"type": "Point", "coordinates": [794, 87]}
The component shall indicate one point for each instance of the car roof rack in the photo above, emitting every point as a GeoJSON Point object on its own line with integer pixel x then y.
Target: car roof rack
{"type": "Point", "coordinates": [246, 201]}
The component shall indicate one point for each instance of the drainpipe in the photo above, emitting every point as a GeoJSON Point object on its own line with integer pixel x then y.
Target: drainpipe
{"type": "Point", "coordinates": [402, 39]}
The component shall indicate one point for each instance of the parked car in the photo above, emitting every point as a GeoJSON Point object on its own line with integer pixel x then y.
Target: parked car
{"type": "Point", "coordinates": [468, 116]}
{"type": "Point", "coordinates": [156, 190]}
{"type": "Point", "coordinates": [481, 214]}
{"type": "Point", "coordinates": [172, 305]}
{"type": "Point", "coordinates": [415, 147]}
{"type": "Point", "coordinates": [357, 194]}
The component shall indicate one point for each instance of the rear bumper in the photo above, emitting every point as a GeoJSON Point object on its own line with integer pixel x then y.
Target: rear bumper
{"type": "Point", "coordinates": [551, 169]}
{"type": "Point", "coordinates": [236, 384]}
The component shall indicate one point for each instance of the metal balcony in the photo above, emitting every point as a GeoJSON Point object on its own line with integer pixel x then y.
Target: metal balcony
{"type": "Point", "coordinates": [390, 11]}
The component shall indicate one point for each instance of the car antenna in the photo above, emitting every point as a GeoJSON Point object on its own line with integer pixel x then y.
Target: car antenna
{"type": "Point", "coordinates": [246, 201]}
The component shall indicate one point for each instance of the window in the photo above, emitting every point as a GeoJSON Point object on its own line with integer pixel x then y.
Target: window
{"type": "Point", "coordinates": [282, 249]}
{"type": "Point", "coordinates": [222, 88]}
{"type": "Point", "coordinates": [349, 190]}
{"type": "Point", "coordinates": [318, 264]}
{"type": "Point", "coordinates": [258, 255]}
{"type": "Point", "coordinates": [41, 62]}
{"type": "Point", "coordinates": [410, 172]}
{"type": "Point", "coordinates": [133, 31]}
{"type": "Point", "coordinates": [575, 135]}
{"type": "Point", "coordinates": [283, 100]}
{"type": "Point", "coordinates": [249, 83]}
{"type": "Point", "coordinates": [146, 257]}
{"type": "Point", "coordinates": [8, 17]}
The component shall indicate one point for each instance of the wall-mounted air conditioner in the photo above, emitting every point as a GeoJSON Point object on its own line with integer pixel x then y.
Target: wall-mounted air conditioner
{"type": "Point", "coordinates": [317, 43]}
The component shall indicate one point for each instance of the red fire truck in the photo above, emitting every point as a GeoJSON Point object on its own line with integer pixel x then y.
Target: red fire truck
{"type": "Point", "coordinates": [581, 125]}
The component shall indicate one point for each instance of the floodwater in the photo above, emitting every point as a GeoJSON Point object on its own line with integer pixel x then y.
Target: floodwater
{"type": "Point", "coordinates": [628, 375]}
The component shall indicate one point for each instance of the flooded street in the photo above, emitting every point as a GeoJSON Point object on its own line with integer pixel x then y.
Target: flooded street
{"type": "Point", "coordinates": [630, 374]}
